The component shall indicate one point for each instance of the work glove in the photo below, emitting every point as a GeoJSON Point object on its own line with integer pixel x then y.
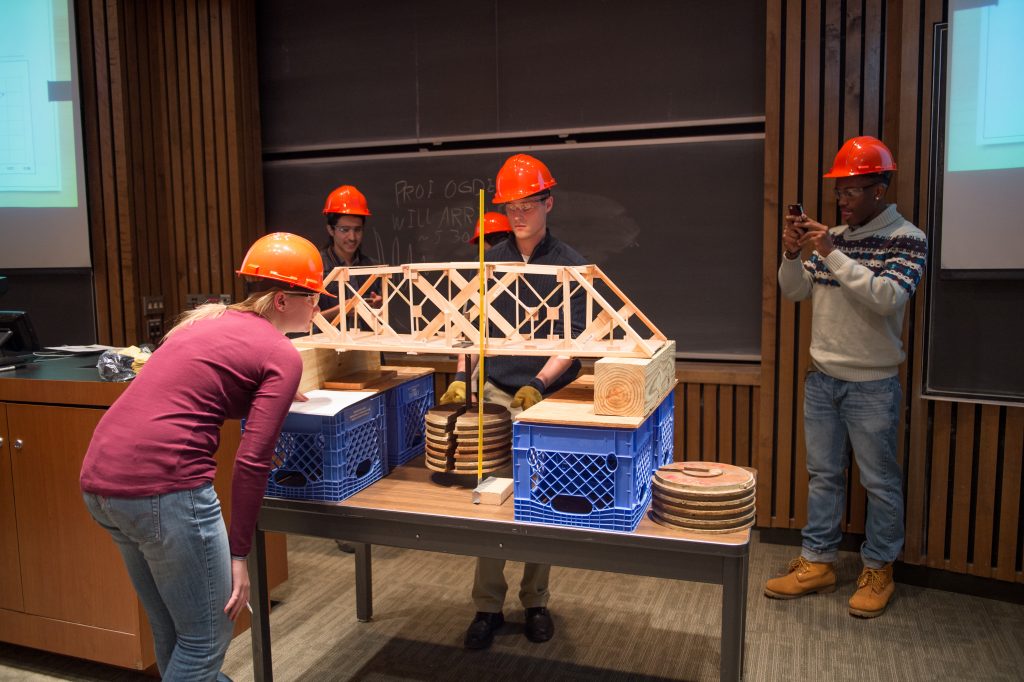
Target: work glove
{"type": "Point", "coordinates": [525, 398]}
{"type": "Point", "coordinates": [456, 393]}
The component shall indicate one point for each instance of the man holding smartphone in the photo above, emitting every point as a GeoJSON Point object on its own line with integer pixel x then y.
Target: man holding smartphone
{"type": "Point", "coordinates": [860, 276]}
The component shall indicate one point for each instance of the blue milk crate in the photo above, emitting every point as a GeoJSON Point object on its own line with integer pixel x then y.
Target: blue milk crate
{"type": "Point", "coordinates": [407, 406]}
{"type": "Point", "coordinates": [664, 431]}
{"type": "Point", "coordinates": [329, 458]}
{"type": "Point", "coordinates": [588, 477]}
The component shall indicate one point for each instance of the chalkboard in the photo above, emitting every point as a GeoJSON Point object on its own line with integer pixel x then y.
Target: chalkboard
{"type": "Point", "coordinates": [975, 337]}
{"type": "Point", "coordinates": [335, 74]}
{"type": "Point", "coordinates": [676, 224]}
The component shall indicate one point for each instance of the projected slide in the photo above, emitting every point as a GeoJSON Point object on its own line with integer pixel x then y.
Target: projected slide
{"type": "Point", "coordinates": [37, 145]}
{"type": "Point", "coordinates": [984, 164]}
{"type": "Point", "coordinates": [986, 93]}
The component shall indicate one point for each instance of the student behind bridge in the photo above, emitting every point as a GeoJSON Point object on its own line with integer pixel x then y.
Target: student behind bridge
{"type": "Point", "coordinates": [524, 189]}
{"type": "Point", "coordinates": [346, 210]}
{"type": "Point", "coordinates": [148, 474]}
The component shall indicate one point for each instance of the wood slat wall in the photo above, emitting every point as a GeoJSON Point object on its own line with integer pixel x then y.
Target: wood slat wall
{"type": "Point", "coordinates": [171, 128]}
{"type": "Point", "coordinates": [833, 70]}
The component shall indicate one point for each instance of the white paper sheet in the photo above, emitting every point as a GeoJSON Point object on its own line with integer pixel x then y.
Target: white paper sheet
{"type": "Point", "coordinates": [325, 403]}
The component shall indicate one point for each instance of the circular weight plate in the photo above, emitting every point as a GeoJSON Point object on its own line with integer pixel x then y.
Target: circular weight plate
{"type": "Point", "coordinates": [435, 467]}
{"type": "Point", "coordinates": [670, 524]}
{"type": "Point", "coordinates": [472, 449]}
{"type": "Point", "coordinates": [437, 452]}
{"type": "Point", "coordinates": [690, 498]}
{"type": "Point", "coordinates": [702, 501]}
{"type": "Point", "coordinates": [488, 456]}
{"type": "Point", "coordinates": [442, 414]}
{"type": "Point", "coordinates": [488, 468]}
{"type": "Point", "coordinates": [699, 524]}
{"type": "Point", "coordinates": [500, 437]}
{"type": "Point", "coordinates": [707, 514]}
{"type": "Point", "coordinates": [679, 477]}
{"type": "Point", "coordinates": [472, 430]}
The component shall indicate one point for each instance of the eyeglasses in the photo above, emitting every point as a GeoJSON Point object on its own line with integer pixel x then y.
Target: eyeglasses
{"type": "Point", "coordinates": [851, 192]}
{"type": "Point", "coordinates": [523, 207]}
{"type": "Point", "coordinates": [348, 230]}
{"type": "Point", "coordinates": [313, 298]}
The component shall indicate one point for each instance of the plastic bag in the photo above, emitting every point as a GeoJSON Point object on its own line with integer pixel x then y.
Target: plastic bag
{"type": "Point", "coordinates": [122, 364]}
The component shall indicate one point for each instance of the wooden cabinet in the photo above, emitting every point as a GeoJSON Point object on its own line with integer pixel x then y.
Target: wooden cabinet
{"type": "Point", "coordinates": [10, 558]}
{"type": "Point", "coordinates": [63, 585]}
{"type": "Point", "coordinates": [76, 597]}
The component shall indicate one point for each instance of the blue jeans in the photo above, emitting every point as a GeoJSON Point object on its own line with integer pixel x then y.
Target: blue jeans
{"type": "Point", "coordinates": [865, 415]}
{"type": "Point", "coordinates": [176, 549]}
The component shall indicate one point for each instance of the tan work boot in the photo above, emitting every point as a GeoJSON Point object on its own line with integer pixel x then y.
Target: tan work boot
{"type": "Point", "coordinates": [803, 577]}
{"type": "Point", "coordinates": [874, 590]}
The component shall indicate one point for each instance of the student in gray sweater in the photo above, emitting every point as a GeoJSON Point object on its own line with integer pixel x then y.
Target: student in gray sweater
{"type": "Point", "coordinates": [859, 276]}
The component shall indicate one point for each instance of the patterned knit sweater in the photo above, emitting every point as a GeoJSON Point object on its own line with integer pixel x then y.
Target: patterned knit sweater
{"type": "Point", "coordinates": [860, 291]}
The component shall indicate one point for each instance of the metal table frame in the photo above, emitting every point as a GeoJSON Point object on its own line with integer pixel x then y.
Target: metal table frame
{"type": "Point", "coordinates": [678, 558]}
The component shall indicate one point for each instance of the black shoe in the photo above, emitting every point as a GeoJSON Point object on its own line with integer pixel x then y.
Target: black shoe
{"type": "Point", "coordinates": [345, 547]}
{"type": "Point", "coordinates": [539, 626]}
{"type": "Point", "coordinates": [481, 631]}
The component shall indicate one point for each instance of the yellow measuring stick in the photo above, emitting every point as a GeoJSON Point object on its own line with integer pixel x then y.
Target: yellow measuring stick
{"type": "Point", "coordinates": [480, 366]}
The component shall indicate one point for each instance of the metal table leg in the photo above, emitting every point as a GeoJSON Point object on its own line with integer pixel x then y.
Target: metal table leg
{"type": "Point", "coordinates": [260, 600]}
{"type": "Point", "coordinates": [364, 582]}
{"type": "Point", "coordinates": [734, 614]}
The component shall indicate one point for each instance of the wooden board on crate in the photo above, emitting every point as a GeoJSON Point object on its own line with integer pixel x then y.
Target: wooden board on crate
{"type": "Point", "coordinates": [326, 364]}
{"type": "Point", "coordinates": [360, 380]}
{"type": "Point", "coordinates": [634, 387]}
{"type": "Point", "coordinates": [574, 406]}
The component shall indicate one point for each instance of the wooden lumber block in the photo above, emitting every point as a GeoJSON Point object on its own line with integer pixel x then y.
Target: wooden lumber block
{"type": "Point", "coordinates": [360, 379]}
{"type": "Point", "coordinates": [633, 387]}
{"type": "Point", "coordinates": [493, 490]}
{"type": "Point", "coordinates": [326, 364]}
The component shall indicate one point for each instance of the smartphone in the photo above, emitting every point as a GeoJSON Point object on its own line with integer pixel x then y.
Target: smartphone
{"type": "Point", "coordinates": [795, 210]}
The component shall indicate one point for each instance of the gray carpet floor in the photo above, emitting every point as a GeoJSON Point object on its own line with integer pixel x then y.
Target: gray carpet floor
{"type": "Point", "coordinates": [609, 627]}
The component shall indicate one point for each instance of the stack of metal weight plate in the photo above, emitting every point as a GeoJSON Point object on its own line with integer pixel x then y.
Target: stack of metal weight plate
{"type": "Point", "coordinates": [705, 497]}
{"type": "Point", "coordinates": [453, 438]}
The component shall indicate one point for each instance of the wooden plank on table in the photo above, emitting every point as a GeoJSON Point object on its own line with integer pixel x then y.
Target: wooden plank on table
{"type": "Point", "coordinates": [985, 493]}
{"type": "Point", "coordinates": [360, 379]}
{"type": "Point", "coordinates": [323, 364]}
{"type": "Point", "coordinates": [571, 407]}
{"type": "Point", "coordinates": [633, 387]}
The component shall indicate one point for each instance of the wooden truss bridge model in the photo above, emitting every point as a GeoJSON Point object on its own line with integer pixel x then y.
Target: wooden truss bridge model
{"type": "Point", "coordinates": [434, 308]}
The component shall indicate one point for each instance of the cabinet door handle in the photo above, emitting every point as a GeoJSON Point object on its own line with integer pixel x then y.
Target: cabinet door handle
{"type": "Point", "coordinates": [1, 441]}
{"type": "Point", "coordinates": [18, 443]}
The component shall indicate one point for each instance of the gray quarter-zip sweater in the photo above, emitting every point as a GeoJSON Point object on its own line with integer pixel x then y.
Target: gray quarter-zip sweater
{"type": "Point", "coordinates": [859, 291]}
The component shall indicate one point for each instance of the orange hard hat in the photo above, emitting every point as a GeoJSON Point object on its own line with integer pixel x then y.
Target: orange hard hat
{"type": "Point", "coordinates": [286, 258]}
{"type": "Point", "coordinates": [521, 176]}
{"type": "Point", "coordinates": [347, 200]}
{"type": "Point", "coordinates": [493, 224]}
{"type": "Point", "coordinates": [861, 155]}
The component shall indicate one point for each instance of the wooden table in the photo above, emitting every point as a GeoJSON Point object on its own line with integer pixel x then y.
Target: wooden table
{"type": "Point", "coordinates": [416, 509]}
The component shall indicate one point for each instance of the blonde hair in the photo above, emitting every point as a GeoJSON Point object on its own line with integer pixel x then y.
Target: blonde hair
{"type": "Point", "coordinates": [260, 303]}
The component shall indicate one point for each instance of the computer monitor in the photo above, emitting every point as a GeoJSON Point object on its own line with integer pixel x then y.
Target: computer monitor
{"type": "Point", "coordinates": [17, 337]}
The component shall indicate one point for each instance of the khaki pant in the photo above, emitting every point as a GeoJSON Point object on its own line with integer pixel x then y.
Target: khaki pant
{"type": "Point", "coordinates": [489, 585]}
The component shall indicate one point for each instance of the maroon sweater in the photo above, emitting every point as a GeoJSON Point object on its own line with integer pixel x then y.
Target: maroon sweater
{"type": "Point", "coordinates": [160, 435]}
